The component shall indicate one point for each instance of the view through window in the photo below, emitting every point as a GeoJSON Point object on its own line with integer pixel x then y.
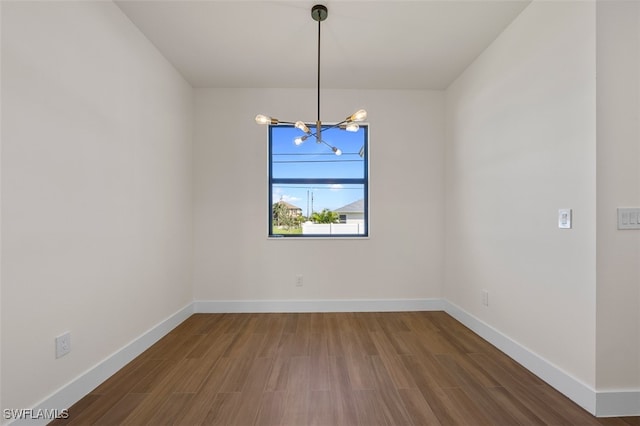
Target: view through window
{"type": "Point", "coordinates": [312, 191]}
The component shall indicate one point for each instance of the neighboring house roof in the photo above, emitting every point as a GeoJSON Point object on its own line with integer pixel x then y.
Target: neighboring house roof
{"type": "Point", "coordinates": [288, 206]}
{"type": "Point", "coordinates": [355, 207]}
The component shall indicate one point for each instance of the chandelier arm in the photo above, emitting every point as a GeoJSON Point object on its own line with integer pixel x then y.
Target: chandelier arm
{"type": "Point", "coordinates": [326, 143]}
{"type": "Point", "coordinates": [336, 125]}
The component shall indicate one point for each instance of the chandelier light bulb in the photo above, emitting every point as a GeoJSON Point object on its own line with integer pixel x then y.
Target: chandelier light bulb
{"type": "Point", "coordinates": [300, 125]}
{"type": "Point", "coordinates": [263, 119]}
{"type": "Point", "coordinates": [299, 140]}
{"type": "Point", "coordinates": [337, 151]}
{"type": "Point", "coordinates": [352, 127]}
{"type": "Point", "coordinates": [359, 115]}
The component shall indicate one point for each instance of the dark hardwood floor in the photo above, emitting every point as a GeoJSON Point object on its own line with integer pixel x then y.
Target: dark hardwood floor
{"type": "Point", "coordinates": [405, 368]}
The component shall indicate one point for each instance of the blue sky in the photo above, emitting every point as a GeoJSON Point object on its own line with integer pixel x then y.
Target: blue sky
{"type": "Point", "coordinates": [316, 160]}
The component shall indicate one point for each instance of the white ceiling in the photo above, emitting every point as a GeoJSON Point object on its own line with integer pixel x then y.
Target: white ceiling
{"type": "Point", "coordinates": [393, 44]}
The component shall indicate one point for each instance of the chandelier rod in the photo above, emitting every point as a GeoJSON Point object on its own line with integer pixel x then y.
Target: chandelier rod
{"type": "Point", "coordinates": [319, 24]}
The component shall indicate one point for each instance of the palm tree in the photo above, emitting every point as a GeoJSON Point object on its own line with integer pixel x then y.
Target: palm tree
{"type": "Point", "coordinates": [325, 216]}
{"type": "Point", "coordinates": [280, 214]}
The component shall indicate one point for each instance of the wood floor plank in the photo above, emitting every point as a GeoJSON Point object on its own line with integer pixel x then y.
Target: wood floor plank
{"type": "Point", "coordinates": [391, 403]}
{"type": "Point", "coordinates": [194, 372]}
{"type": "Point", "coordinates": [475, 387]}
{"type": "Point", "coordinates": [299, 374]}
{"type": "Point", "coordinates": [620, 421]}
{"type": "Point", "coordinates": [247, 408]}
{"type": "Point", "coordinates": [358, 363]}
{"type": "Point", "coordinates": [360, 371]}
{"type": "Point", "coordinates": [339, 374]}
{"type": "Point", "coordinates": [334, 369]}
{"type": "Point", "coordinates": [467, 411]}
{"type": "Point", "coordinates": [192, 325]}
{"type": "Point", "coordinates": [213, 346]}
{"type": "Point", "coordinates": [296, 408]}
{"type": "Point", "coordinates": [402, 378]}
{"type": "Point", "coordinates": [272, 336]}
{"type": "Point", "coordinates": [157, 395]}
{"type": "Point", "coordinates": [223, 411]}
{"type": "Point", "coordinates": [523, 414]}
{"type": "Point", "coordinates": [344, 407]}
{"type": "Point", "coordinates": [560, 403]}
{"type": "Point", "coordinates": [335, 346]}
{"type": "Point", "coordinates": [419, 322]}
{"type": "Point", "coordinates": [120, 411]}
{"type": "Point", "coordinates": [75, 412]}
{"type": "Point", "coordinates": [418, 408]}
{"type": "Point", "coordinates": [368, 408]}
{"type": "Point", "coordinates": [201, 403]}
{"type": "Point", "coordinates": [320, 409]}
{"type": "Point", "coordinates": [128, 377]}
{"type": "Point", "coordinates": [290, 322]}
{"type": "Point", "coordinates": [210, 324]}
{"type": "Point", "coordinates": [341, 392]}
{"type": "Point", "coordinates": [173, 409]}
{"type": "Point", "coordinates": [242, 342]}
{"type": "Point", "coordinates": [528, 395]}
{"type": "Point", "coordinates": [445, 410]}
{"type": "Point", "coordinates": [471, 366]}
{"type": "Point", "coordinates": [320, 374]}
{"type": "Point", "coordinates": [271, 408]}
{"type": "Point", "coordinates": [93, 412]}
{"type": "Point", "coordinates": [279, 375]}
{"type": "Point", "coordinates": [237, 375]}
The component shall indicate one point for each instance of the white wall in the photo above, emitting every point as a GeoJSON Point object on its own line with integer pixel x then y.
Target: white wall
{"type": "Point", "coordinates": [234, 260]}
{"type": "Point", "coordinates": [96, 190]}
{"type": "Point", "coordinates": [521, 144]}
{"type": "Point", "coordinates": [618, 289]}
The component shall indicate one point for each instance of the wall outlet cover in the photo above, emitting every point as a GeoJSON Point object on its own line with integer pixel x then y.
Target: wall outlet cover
{"type": "Point", "coordinates": [564, 218]}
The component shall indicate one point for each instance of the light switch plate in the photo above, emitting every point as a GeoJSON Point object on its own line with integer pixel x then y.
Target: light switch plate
{"type": "Point", "coordinates": [564, 218]}
{"type": "Point", "coordinates": [628, 218]}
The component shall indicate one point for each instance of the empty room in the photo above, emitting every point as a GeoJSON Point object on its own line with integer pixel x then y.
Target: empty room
{"type": "Point", "coordinates": [320, 212]}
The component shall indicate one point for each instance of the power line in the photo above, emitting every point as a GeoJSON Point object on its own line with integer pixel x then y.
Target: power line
{"type": "Point", "coordinates": [317, 188]}
{"type": "Point", "coordinates": [319, 153]}
{"type": "Point", "coordinates": [316, 161]}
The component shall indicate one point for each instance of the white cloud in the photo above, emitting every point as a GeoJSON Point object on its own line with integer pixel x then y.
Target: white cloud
{"type": "Point", "coordinates": [336, 186]}
{"type": "Point", "coordinates": [289, 198]}
{"type": "Point", "coordinates": [278, 195]}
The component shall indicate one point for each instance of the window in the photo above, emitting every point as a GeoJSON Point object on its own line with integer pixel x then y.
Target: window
{"type": "Point", "coordinates": [312, 191]}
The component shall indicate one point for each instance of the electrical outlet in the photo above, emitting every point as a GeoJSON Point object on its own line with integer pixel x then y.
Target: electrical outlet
{"type": "Point", "coordinates": [299, 281]}
{"type": "Point", "coordinates": [485, 297]}
{"type": "Point", "coordinates": [63, 344]}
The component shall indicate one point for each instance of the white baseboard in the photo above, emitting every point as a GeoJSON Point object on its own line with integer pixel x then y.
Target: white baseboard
{"type": "Point", "coordinates": [618, 403]}
{"type": "Point", "coordinates": [348, 305]}
{"type": "Point", "coordinates": [601, 404]}
{"type": "Point", "coordinates": [574, 389]}
{"type": "Point", "coordinates": [75, 390]}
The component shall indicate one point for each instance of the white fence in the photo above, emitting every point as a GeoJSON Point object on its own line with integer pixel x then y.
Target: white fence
{"type": "Point", "coordinates": [333, 228]}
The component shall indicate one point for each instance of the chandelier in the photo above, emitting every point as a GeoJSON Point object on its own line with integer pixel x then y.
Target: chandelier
{"type": "Point", "coordinates": [318, 13]}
